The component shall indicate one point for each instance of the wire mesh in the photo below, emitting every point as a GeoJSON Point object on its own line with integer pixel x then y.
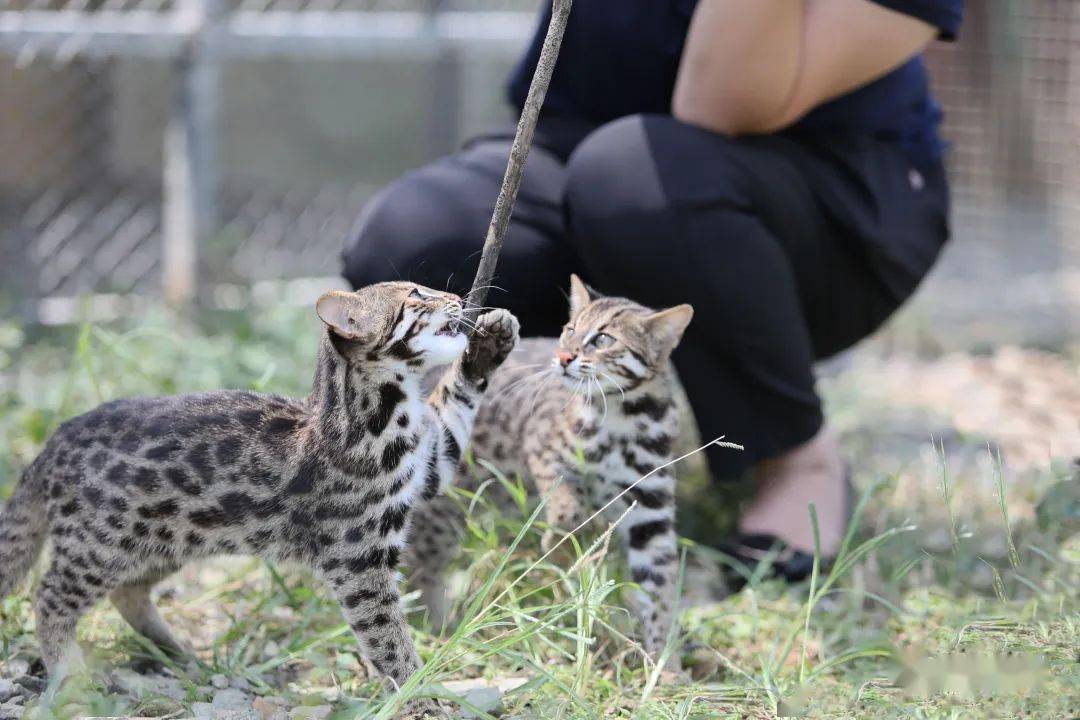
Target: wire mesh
{"type": "Point", "coordinates": [79, 211]}
{"type": "Point", "coordinates": [1011, 93]}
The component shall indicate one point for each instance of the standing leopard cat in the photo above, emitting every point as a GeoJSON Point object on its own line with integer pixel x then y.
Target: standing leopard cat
{"type": "Point", "coordinates": [598, 446]}
{"type": "Point", "coordinates": [131, 491]}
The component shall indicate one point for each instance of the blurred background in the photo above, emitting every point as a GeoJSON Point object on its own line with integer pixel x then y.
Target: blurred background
{"type": "Point", "coordinates": [211, 155]}
{"type": "Point", "coordinates": [195, 148]}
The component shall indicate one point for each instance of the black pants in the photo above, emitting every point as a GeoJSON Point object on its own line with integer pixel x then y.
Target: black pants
{"type": "Point", "coordinates": [789, 249]}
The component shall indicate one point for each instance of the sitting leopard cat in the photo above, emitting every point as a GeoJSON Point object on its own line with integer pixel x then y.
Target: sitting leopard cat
{"type": "Point", "coordinates": [133, 490]}
{"type": "Point", "coordinates": [598, 446]}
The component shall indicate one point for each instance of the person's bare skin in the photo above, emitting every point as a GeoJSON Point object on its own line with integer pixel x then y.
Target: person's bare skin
{"type": "Point", "coordinates": [757, 67]}
{"type": "Point", "coordinates": [810, 473]}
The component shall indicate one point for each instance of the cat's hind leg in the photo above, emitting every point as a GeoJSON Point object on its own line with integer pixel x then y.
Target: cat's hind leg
{"type": "Point", "coordinates": [135, 605]}
{"type": "Point", "coordinates": [66, 592]}
{"type": "Point", "coordinates": [434, 542]}
{"type": "Point", "coordinates": [566, 506]}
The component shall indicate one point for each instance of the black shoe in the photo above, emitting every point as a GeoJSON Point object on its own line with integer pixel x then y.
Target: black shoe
{"type": "Point", "coordinates": [767, 556]}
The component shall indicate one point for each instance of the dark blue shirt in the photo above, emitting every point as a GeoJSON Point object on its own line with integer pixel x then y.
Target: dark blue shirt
{"type": "Point", "coordinates": [620, 57]}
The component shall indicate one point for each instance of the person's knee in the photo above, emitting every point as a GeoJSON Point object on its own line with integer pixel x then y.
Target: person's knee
{"type": "Point", "coordinates": [411, 230]}
{"type": "Point", "coordinates": [630, 177]}
{"type": "Point", "coordinates": [641, 226]}
{"type": "Point", "coordinates": [609, 179]}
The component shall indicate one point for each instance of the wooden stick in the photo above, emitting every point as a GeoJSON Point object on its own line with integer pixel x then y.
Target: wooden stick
{"type": "Point", "coordinates": [519, 152]}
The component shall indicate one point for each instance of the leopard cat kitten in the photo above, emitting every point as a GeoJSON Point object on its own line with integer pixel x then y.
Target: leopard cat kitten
{"type": "Point", "coordinates": [131, 491]}
{"type": "Point", "coordinates": [609, 419]}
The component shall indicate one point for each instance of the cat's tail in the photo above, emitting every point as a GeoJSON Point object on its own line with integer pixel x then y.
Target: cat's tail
{"type": "Point", "coordinates": [23, 524]}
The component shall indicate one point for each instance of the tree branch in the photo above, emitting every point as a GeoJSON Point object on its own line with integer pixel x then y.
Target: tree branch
{"type": "Point", "coordinates": [519, 152]}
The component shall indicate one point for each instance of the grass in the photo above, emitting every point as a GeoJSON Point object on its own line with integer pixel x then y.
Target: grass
{"type": "Point", "coordinates": [951, 556]}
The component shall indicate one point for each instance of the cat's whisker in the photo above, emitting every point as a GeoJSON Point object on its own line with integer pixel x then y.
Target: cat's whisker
{"type": "Point", "coordinates": [603, 396]}
{"type": "Point", "coordinates": [524, 381]}
{"type": "Point", "coordinates": [540, 391]}
{"type": "Point", "coordinates": [586, 391]}
{"type": "Point", "coordinates": [483, 287]}
{"type": "Point", "coordinates": [612, 381]}
{"type": "Point", "coordinates": [541, 381]}
{"type": "Point", "coordinates": [470, 324]}
{"type": "Point", "coordinates": [468, 295]}
{"type": "Point", "coordinates": [588, 388]}
{"type": "Point", "coordinates": [573, 395]}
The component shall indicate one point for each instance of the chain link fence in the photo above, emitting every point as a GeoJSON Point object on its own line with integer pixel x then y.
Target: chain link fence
{"type": "Point", "coordinates": [1011, 93]}
{"type": "Point", "coordinates": [165, 146]}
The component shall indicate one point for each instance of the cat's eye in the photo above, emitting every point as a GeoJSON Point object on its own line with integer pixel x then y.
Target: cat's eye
{"type": "Point", "coordinates": [569, 331]}
{"type": "Point", "coordinates": [601, 341]}
{"type": "Point", "coordinates": [418, 294]}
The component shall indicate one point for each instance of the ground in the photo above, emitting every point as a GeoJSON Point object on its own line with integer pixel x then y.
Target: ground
{"type": "Point", "coordinates": [956, 596]}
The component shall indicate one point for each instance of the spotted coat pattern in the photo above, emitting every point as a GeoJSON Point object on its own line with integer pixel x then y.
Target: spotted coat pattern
{"type": "Point", "coordinates": [134, 489]}
{"type": "Point", "coordinates": [583, 433]}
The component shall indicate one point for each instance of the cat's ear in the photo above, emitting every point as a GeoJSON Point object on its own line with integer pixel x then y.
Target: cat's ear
{"type": "Point", "coordinates": [580, 294]}
{"type": "Point", "coordinates": [338, 309]}
{"type": "Point", "coordinates": [666, 326]}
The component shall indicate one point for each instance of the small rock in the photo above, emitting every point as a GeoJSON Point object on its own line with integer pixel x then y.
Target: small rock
{"type": "Point", "coordinates": [240, 684]}
{"type": "Point", "coordinates": [331, 695]}
{"type": "Point", "coordinates": [204, 692]}
{"type": "Point", "coordinates": [311, 712]}
{"type": "Point", "coordinates": [202, 710]}
{"type": "Point", "coordinates": [208, 711]}
{"type": "Point", "coordinates": [485, 695]}
{"type": "Point", "coordinates": [8, 689]}
{"type": "Point", "coordinates": [486, 699]}
{"type": "Point", "coordinates": [219, 681]}
{"type": "Point", "coordinates": [268, 709]}
{"type": "Point", "coordinates": [231, 699]}
{"type": "Point", "coordinates": [11, 712]}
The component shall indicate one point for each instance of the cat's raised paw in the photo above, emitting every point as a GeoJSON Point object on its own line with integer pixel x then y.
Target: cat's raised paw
{"type": "Point", "coordinates": [495, 337]}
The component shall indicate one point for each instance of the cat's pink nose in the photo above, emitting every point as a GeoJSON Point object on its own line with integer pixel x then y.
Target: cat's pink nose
{"type": "Point", "coordinates": [564, 358]}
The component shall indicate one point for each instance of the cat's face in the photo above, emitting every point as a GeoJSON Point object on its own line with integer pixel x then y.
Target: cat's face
{"type": "Point", "coordinates": [395, 321]}
{"type": "Point", "coordinates": [614, 342]}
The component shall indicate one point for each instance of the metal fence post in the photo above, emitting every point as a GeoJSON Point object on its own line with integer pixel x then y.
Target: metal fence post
{"type": "Point", "coordinates": [444, 125]}
{"type": "Point", "coordinates": [191, 181]}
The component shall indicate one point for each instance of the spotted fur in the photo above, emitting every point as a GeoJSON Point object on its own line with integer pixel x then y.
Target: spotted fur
{"type": "Point", "coordinates": [600, 417]}
{"type": "Point", "coordinates": [134, 489]}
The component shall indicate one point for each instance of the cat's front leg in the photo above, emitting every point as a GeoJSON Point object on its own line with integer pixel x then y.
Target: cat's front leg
{"type": "Point", "coordinates": [456, 398]}
{"type": "Point", "coordinates": [434, 540]}
{"type": "Point", "coordinates": [565, 506]}
{"type": "Point", "coordinates": [365, 586]}
{"type": "Point", "coordinates": [651, 547]}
